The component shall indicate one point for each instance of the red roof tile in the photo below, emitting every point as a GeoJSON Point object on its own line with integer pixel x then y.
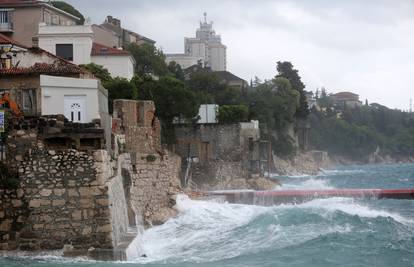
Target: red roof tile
{"type": "Point", "coordinates": [43, 68]}
{"type": "Point", "coordinates": [101, 50]}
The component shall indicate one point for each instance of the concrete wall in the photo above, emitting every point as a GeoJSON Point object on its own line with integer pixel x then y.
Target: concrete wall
{"type": "Point", "coordinates": [54, 89]}
{"type": "Point", "coordinates": [104, 36]}
{"type": "Point", "coordinates": [118, 66]}
{"type": "Point", "coordinates": [26, 21]}
{"type": "Point", "coordinates": [185, 61]}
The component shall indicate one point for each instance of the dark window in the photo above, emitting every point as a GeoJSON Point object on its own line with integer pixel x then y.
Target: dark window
{"type": "Point", "coordinates": [65, 51]}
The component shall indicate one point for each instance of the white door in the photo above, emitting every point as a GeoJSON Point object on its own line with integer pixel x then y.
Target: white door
{"type": "Point", "coordinates": [75, 108]}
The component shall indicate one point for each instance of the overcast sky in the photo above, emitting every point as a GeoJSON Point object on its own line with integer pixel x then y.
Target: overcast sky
{"type": "Point", "coordinates": [363, 46]}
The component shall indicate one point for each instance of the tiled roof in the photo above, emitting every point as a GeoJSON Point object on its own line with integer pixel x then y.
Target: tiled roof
{"type": "Point", "coordinates": [101, 50]}
{"type": "Point", "coordinates": [4, 40]}
{"type": "Point", "coordinates": [43, 68]}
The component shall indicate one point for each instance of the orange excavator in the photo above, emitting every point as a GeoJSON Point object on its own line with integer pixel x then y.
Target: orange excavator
{"type": "Point", "coordinates": [12, 105]}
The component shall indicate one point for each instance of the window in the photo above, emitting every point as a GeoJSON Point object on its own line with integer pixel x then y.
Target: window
{"type": "Point", "coordinates": [4, 16]}
{"type": "Point", "coordinates": [65, 51]}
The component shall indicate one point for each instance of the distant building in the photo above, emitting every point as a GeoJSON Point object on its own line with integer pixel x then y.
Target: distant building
{"type": "Point", "coordinates": [19, 19]}
{"type": "Point", "coordinates": [110, 33]}
{"type": "Point", "coordinates": [205, 47]}
{"type": "Point", "coordinates": [231, 80]}
{"type": "Point", "coordinates": [310, 98]}
{"type": "Point", "coordinates": [119, 63]}
{"type": "Point", "coordinates": [345, 100]}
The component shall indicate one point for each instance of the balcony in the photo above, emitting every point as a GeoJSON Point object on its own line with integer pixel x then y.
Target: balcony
{"type": "Point", "coordinates": [6, 26]}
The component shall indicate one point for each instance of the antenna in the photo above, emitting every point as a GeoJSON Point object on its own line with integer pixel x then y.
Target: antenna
{"type": "Point", "coordinates": [205, 17]}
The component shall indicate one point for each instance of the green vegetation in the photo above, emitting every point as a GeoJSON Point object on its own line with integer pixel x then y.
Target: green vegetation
{"type": "Point", "coordinates": [357, 133]}
{"type": "Point", "coordinates": [149, 60]}
{"type": "Point", "coordinates": [99, 72]}
{"type": "Point", "coordinates": [233, 113]}
{"type": "Point", "coordinates": [177, 94]}
{"type": "Point", "coordinates": [69, 9]}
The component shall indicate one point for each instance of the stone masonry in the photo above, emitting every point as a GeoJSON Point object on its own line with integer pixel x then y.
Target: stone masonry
{"type": "Point", "coordinates": [70, 191]}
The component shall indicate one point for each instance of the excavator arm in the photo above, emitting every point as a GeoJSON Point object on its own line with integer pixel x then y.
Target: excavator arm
{"type": "Point", "coordinates": [5, 99]}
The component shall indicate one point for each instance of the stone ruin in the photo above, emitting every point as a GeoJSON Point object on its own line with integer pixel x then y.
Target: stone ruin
{"type": "Point", "coordinates": [72, 191]}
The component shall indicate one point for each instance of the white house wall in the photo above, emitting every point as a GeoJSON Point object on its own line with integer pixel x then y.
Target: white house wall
{"type": "Point", "coordinates": [118, 66]}
{"type": "Point", "coordinates": [81, 36]}
{"type": "Point", "coordinates": [54, 89]}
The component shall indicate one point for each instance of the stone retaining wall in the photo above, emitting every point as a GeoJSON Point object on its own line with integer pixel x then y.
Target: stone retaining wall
{"type": "Point", "coordinates": [59, 201]}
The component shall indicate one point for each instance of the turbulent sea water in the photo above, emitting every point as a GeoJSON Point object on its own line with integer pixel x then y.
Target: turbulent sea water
{"type": "Point", "coordinates": [322, 232]}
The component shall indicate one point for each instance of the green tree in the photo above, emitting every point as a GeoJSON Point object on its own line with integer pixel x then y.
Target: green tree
{"type": "Point", "coordinates": [285, 69]}
{"type": "Point", "coordinates": [149, 60]}
{"type": "Point", "coordinates": [233, 113]}
{"type": "Point", "coordinates": [99, 72]}
{"type": "Point", "coordinates": [175, 69]}
{"type": "Point", "coordinates": [120, 88]}
{"type": "Point", "coordinates": [62, 5]}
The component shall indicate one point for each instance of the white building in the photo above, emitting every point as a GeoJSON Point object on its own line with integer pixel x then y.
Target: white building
{"type": "Point", "coordinates": [76, 44]}
{"type": "Point", "coordinates": [73, 43]}
{"type": "Point", "coordinates": [206, 46]}
{"type": "Point", "coordinates": [119, 63]}
{"type": "Point", "coordinates": [80, 100]}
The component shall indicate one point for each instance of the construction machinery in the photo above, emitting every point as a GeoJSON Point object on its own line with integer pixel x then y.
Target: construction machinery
{"type": "Point", "coordinates": [7, 103]}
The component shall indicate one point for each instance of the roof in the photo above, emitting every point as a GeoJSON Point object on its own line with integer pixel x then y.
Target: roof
{"type": "Point", "coordinates": [4, 40]}
{"type": "Point", "coordinates": [228, 76]}
{"type": "Point", "coordinates": [43, 68]}
{"type": "Point", "coordinates": [60, 65]}
{"type": "Point", "coordinates": [25, 3]}
{"type": "Point", "coordinates": [345, 95]}
{"type": "Point", "coordinates": [103, 50]}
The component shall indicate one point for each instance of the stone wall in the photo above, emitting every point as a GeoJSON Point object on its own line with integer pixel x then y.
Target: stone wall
{"type": "Point", "coordinates": [59, 201]}
{"type": "Point", "coordinates": [155, 182]}
{"type": "Point", "coordinates": [62, 195]}
{"type": "Point", "coordinates": [219, 151]}
{"type": "Point", "coordinates": [136, 120]}
{"type": "Point", "coordinates": [71, 192]}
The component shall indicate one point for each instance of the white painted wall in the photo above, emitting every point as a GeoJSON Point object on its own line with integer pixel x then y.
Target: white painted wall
{"type": "Point", "coordinates": [208, 113]}
{"type": "Point", "coordinates": [218, 57]}
{"type": "Point", "coordinates": [81, 36]}
{"type": "Point", "coordinates": [54, 89]}
{"type": "Point", "coordinates": [185, 61]}
{"type": "Point", "coordinates": [118, 66]}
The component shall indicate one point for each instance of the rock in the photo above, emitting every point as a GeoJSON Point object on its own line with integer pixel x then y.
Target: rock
{"type": "Point", "coordinates": [262, 183]}
{"type": "Point", "coordinates": [161, 216]}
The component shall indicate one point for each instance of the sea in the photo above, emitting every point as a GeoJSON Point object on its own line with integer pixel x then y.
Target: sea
{"type": "Point", "coordinates": [322, 232]}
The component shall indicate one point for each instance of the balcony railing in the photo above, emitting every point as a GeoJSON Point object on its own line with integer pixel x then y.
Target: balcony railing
{"type": "Point", "coordinates": [6, 26]}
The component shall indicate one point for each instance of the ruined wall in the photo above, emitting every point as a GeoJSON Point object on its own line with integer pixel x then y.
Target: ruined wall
{"type": "Point", "coordinates": [81, 196]}
{"type": "Point", "coordinates": [155, 181]}
{"type": "Point", "coordinates": [137, 121]}
{"type": "Point", "coordinates": [155, 173]}
{"type": "Point", "coordinates": [58, 201]}
{"type": "Point", "coordinates": [62, 196]}
{"type": "Point", "coordinates": [219, 151]}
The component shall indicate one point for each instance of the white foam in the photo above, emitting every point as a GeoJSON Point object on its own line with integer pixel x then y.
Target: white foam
{"type": "Point", "coordinates": [206, 231]}
{"type": "Point", "coordinates": [352, 207]}
{"type": "Point", "coordinates": [312, 183]}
